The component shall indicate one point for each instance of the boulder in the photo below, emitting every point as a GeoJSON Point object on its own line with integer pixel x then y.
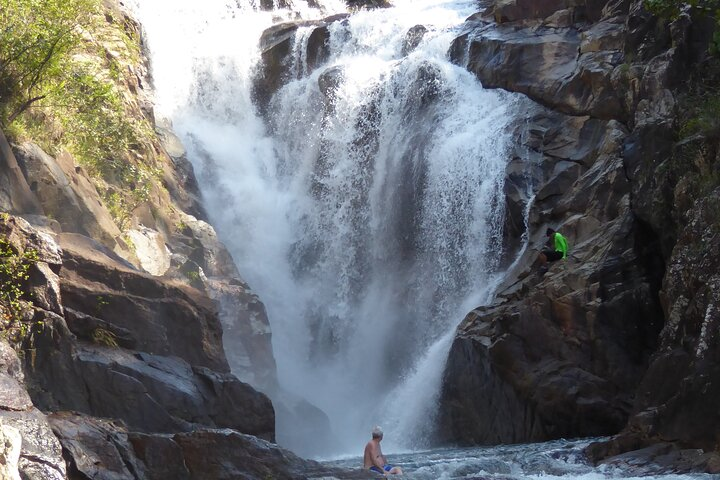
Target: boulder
{"type": "Point", "coordinates": [368, 4]}
{"type": "Point", "coordinates": [105, 449]}
{"type": "Point", "coordinates": [413, 38]}
{"type": "Point", "coordinates": [246, 332]}
{"type": "Point", "coordinates": [549, 66]}
{"type": "Point", "coordinates": [329, 81]}
{"type": "Point", "coordinates": [96, 448]}
{"type": "Point", "coordinates": [67, 194]}
{"type": "Point", "coordinates": [15, 193]}
{"type": "Point", "coordinates": [276, 46]}
{"type": "Point", "coordinates": [224, 454]}
{"type": "Point", "coordinates": [160, 316]}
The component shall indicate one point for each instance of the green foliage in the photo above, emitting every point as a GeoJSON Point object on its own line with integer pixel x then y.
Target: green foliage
{"type": "Point", "coordinates": [37, 40]}
{"type": "Point", "coordinates": [14, 274]}
{"type": "Point", "coordinates": [96, 127]}
{"type": "Point", "coordinates": [192, 275]}
{"type": "Point", "coordinates": [671, 10]}
{"type": "Point", "coordinates": [100, 303]}
{"type": "Point", "coordinates": [105, 337]}
{"type": "Point", "coordinates": [699, 102]}
{"type": "Point", "coordinates": [63, 71]}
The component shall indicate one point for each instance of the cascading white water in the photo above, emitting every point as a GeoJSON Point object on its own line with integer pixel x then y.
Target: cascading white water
{"type": "Point", "coordinates": [368, 218]}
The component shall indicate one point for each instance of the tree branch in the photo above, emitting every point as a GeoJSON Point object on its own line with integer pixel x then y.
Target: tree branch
{"type": "Point", "coordinates": [24, 106]}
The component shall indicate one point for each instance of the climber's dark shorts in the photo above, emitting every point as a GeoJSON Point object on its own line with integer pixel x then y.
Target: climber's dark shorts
{"type": "Point", "coordinates": [553, 255]}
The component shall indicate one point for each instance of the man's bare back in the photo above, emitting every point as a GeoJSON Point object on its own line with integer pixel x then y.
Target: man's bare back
{"type": "Point", "coordinates": [373, 455]}
{"type": "Point", "coordinates": [373, 458]}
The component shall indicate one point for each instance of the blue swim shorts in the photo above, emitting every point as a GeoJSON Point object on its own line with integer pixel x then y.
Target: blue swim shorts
{"type": "Point", "coordinates": [375, 469]}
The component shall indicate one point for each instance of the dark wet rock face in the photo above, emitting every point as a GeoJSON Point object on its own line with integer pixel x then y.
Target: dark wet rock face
{"type": "Point", "coordinates": [560, 355]}
{"type": "Point", "coordinates": [562, 68]}
{"type": "Point", "coordinates": [413, 38]}
{"type": "Point", "coordinates": [620, 335]}
{"type": "Point", "coordinates": [151, 361]}
{"type": "Point", "coordinates": [276, 45]}
{"type": "Point", "coordinates": [98, 448]}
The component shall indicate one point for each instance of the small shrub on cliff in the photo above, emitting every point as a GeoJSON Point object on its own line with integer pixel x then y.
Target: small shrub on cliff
{"type": "Point", "coordinates": [700, 102]}
{"type": "Point", "coordinates": [14, 273]}
{"type": "Point", "coordinates": [671, 9]}
{"type": "Point", "coordinates": [104, 337]}
{"type": "Point", "coordinates": [696, 154]}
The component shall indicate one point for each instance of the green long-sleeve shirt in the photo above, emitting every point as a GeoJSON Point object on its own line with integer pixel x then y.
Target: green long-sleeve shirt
{"type": "Point", "coordinates": [561, 244]}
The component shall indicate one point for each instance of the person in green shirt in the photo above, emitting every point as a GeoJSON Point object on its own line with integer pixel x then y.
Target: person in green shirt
{"type": "Point", "coordinates": [558, 249]}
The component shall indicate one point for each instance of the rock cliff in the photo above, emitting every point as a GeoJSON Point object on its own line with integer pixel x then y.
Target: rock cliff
{"type": "Point", "coordinates": [617, 337]}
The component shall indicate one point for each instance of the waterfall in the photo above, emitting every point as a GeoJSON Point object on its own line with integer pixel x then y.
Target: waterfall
{"type": "Point", "coordinates": [367, 216]}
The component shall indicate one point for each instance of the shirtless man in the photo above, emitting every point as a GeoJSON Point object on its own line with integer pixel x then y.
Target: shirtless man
{"type": "Point", "coordinates": [374, 460]}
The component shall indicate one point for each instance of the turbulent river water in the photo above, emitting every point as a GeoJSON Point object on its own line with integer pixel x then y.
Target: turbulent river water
{"type": "Point", "coordinates": [561, 459]}
{"type": "Point", "coordinates": [367, 219]}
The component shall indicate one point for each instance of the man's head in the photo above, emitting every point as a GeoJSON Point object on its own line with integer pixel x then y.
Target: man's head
{"type": "Point", "coordinates": [549, 232]}
{"type": "Point", "coordinates": [377, 432]}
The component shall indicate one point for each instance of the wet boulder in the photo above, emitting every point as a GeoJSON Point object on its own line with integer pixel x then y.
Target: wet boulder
{"type": "Point", "coordinates": [330, 80]}
{"type": "Point", "coordinates": [544, 64]}
{"type": "Point", "coordinates": [28, 448]}
{"type": "Point", "coordinates": [368, 4]}
{"type": "Point", "coordinates": [15, 193]}
{"type": "Point", "coordinates": [276, 46]}
{"type": "Point", "coordinates": [413, 38]}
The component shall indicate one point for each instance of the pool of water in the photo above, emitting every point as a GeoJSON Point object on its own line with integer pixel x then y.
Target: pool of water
{"type": "Point", "coordinates": [560, 459]}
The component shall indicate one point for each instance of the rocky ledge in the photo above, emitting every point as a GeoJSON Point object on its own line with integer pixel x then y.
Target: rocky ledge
{"type": "Point", "coordinates": [123, 376]}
